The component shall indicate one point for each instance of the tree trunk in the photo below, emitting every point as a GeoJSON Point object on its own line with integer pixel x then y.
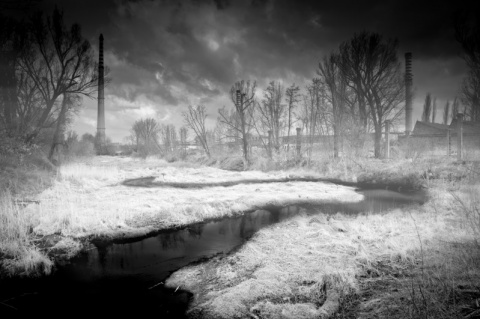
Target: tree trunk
{"type": "Point", "coordinates": [244, 137]}
{"type": "Point", "coordinates": [59, 131]}
{"type": "Point", "coordinates": [335, 141]}
{"type": "Point", "coordinates": [41, 122]}
{"type": "Point", "coordinates": [205, 145]}
{"type": "Point", "coordinates": [378, 140]}
{"type": "Point", "coordinates": [288, 130]}
{"type": "Point", "coordinates": [8, 90]}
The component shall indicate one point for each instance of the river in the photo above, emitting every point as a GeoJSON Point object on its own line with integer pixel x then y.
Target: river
{"type": "Point", "coordinates": [127, 277]}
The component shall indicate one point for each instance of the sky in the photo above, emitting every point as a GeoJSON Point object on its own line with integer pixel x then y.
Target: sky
{"type": "Point", "coordinates": [166, 55]}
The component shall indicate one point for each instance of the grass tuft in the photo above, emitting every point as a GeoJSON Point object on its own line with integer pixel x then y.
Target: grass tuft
{"type": "Point", "coordinates": [19, 254]}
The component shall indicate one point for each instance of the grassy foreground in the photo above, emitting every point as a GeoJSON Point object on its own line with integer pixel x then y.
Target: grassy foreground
{"type": "Point", "coordinates": [88, 200]}
{"type": "Point", "coordinates": [419, 263]}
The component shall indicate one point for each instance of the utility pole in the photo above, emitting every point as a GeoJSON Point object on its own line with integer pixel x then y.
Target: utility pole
{"type": "Point", "coordinates": [387, 138]}
{"type": "Point", "coordinates": [299, 143]}
{"type": "Point", "coordinates": [459, 136]}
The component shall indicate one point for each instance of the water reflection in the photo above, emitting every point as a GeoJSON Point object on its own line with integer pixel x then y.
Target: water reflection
{"type": "Point", "coordinates": [116, 272]}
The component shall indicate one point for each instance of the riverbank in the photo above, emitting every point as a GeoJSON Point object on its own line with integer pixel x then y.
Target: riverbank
{"type": "Point", "coordinates": [417, 263]}
{"type": "Point", "coordinates": [89, 201]}
{"type": "Point", "coordinates": [346, 266]}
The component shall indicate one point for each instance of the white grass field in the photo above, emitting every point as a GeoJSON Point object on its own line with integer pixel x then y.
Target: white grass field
{"type": "Point", "coordinates": [88, 200]}
{"type": "Point", "coordinates": [306, 267]}
{"type": "Point", "coordinates": [422, 262]}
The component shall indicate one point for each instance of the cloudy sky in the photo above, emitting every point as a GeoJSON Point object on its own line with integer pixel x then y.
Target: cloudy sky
{"type": "Point", "coordinates": [166, 55]}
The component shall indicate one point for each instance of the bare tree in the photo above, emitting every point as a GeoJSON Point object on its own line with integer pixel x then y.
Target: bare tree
{"type": "Point", "coordinates": [352, 63]}
{"type": "Point", "coordinates": [145, 133]}
{"type": "Point", "coordinates": [183, 139]}
{"type": "Point", "coordinates": [335, 83]}
{"type": "Point", "coordinates": [168, 135]}
{"type": "Point", "coordinates": [271, 112]}
{"type": "Point", "coordinates": [455, 108]}
{"type": "Point", "coordinates": [427, 108]}
{"type": "Point", "coordinates": [313, 113]}
{"type": "Point", "coordinates": [242, 95]}
{"type": "Point", "coordinates": [69, 102]}
{"type": "Point", "coordinates": [292, 97]}
{"type": "Point", "coordinates": [470, 95]}
{"type": "Point", "coordinates": [434, 109]}
{"type": "Point", "coordinates": [372, 68]}
{"type": "Point", "coordinates": [446, 113]}
{"type": "Point", "coordinates": [228, 125]}
{"type": "Point", "coordinates": [59, 61]}
{"type": "Point", "coordinates": [467, 33]}
{"type": "Point", "coordinates": [195, 118]}
{"type": "Point", "coordinates": [8, 79]}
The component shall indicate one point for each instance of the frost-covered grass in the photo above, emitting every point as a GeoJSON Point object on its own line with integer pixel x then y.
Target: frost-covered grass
{"type": "Point", "coordinates": [100, 206]}
{"type": "Point", "coordinates": [402, 264]}
{"type": "Point", "coordinates": [87, 199]}
{"type": "Point", "coordinates": [18, 254]}
{"type": "Point", "coordinates": [21, 178]}
{"type": "Point", "coordinates": [312, 265]}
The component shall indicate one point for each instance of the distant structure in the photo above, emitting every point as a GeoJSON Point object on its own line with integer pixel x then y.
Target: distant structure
{"type": "Point", "coordinates": [435, 139]}
{"type": "Point", "coordinates": [408, 93]}
{"type": "Point", "coordinates": [101, 101]}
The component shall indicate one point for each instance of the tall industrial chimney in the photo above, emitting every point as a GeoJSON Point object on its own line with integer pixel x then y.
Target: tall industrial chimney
{"type": "Point", "coordinates": [408, 93]}
{"type": "Point", "coordinates": [101, 100]}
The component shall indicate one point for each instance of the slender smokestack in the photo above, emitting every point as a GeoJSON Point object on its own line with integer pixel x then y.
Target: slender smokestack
{"type": "Point", "coordinates": [408, 93]}
{"type": "Point", "coordinates": [101, 99]}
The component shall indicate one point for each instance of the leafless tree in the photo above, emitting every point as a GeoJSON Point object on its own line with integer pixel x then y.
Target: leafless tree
{"type": "Point", "coordinates": [434, 109]}
{"type": "Point", "coordinates": [69, 103]}
{"type": "Point", "coordinates": [446, 113]}
{"type": "Point", "coordinates": [145, 132]}
{"type": "Point", "coordinates": [292, 97]}
{"type": "Point", "coordinates": [184, 138]}
{"type": "Point", "coordinates": [351, 63]}
{"type": "Point", "coordinates": [195, 118]}
{"type": "Point", "coordinates": [59, 61]}
{"type": "Point", "coordinates": [455, 108]}
{"type": "Point", "coordinates": [8, 81]}
{"type": "Point", "coordinates": [332, 77]}
{"type": "Point", "coordinates": [168, 136]}
{"type": "Point", "coordinates": [467, 33]}
{"type": "Point", "coordinates": [373, 70]}
{"type": "Point", "coordinates": [313, 113]}
{"type": "Point", "coordinates": [427, 108]}
{"type": "Point", "coordinates": [228, 125]}
{"type": "Point", "coordinates": [271, 112]}
{"type": "Point", "coordinates": [242, 95]}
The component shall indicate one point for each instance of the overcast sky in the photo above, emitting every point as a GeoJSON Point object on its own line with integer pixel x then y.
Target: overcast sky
{"type": "Point", "coordinates": [165, 55]}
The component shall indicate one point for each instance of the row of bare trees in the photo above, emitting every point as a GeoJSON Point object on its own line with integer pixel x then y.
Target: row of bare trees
{"type": "Point", "coordinates": [46, 67]}
{"type": "Point", "coordinates": [359, 87]}
{"type": "Point", "coordinates": [148, 136]}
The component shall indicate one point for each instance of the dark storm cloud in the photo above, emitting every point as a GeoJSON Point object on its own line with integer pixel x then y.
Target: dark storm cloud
{"type": "Point", "coordinates": [172, 53]}
{"type": "Point", "coordinates": [269, 37]}
{"type": "Point", "coordinates": [169, 42]}
{"type": "Point", "coordinates": [220, 41]}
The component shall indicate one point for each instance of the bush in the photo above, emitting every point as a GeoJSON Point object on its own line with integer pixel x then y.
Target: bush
{"type": "Point", "coordinates": [171, 157]}
{"type": "Point", "coordinates": [81, 149]}
{"type": "Point", "coordinates": [411, 148]}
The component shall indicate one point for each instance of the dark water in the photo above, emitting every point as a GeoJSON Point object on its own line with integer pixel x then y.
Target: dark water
{"type": "Point", "coordinates": [125, 278]}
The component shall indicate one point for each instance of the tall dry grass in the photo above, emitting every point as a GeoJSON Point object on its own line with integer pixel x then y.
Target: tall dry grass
{"type": "Point", "coordinates": [423, 262]}
{"type": "Point", "coordinates": [443, 282]}
{"type": "Point", "coordinates": [19, 255]}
